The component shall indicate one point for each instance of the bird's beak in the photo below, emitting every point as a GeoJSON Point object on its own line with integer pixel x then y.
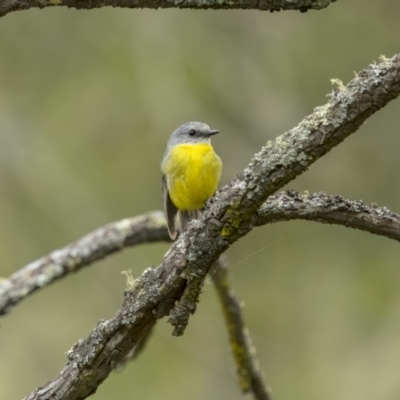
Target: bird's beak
{"type": "Point", "coordinates": [213, 132]}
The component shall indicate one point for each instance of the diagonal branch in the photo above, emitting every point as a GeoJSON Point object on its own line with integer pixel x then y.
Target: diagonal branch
{"type": "Point", "coordinates": [7, 6]}
{"type": "Point", "coordinates": [229, 215]}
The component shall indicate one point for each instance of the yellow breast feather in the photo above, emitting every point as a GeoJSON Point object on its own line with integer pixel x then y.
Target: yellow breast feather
{"type": "Point", "coordinates": [193, 172]}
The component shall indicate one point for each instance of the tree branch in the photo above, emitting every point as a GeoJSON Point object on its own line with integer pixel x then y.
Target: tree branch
{"type": "Point", "coordinates": [229, 215]}
{"type": "Point", "coordinates": [151, 227]}
{"type": "Point", "coordinates": [7, 6]}
{"type": "Point", "coordinates": [320, 207]}
{"type": "Point", "coordinates": [244, 354]}
{"type": "Point", "coordinates": [96, 245]}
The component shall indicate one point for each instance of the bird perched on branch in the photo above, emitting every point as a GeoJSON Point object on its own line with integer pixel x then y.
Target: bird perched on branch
{"type": "Point", "coordinates": [191, 172]}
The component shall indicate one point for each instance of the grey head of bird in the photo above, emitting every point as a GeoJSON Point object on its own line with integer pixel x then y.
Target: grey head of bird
{"type": "Point", "coordinates": [192, 132]}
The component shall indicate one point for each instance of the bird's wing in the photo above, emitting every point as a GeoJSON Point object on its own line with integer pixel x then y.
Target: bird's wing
{"type": "Point", "coordinates": [169, 209]}
{"type": "Point", "coordinates": [186, 216]}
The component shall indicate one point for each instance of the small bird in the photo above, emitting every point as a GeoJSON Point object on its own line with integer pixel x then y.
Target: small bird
{"type": "Point", "coordinates": [191, 172]}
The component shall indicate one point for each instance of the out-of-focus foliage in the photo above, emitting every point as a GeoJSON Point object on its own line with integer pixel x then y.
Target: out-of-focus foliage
{"type": "Point", "coordinates": [87, 102]}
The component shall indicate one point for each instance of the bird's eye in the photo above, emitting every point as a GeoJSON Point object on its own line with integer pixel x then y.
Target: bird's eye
{"type": "Point", "coordinates": [192, 132]}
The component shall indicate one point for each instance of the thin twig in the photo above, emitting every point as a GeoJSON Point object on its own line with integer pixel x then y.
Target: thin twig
{"type": "Point", "coordinates": [244, 353]}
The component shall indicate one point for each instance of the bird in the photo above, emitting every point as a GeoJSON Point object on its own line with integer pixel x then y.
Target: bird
{"type": "Point", "coordinates": [191, 171]}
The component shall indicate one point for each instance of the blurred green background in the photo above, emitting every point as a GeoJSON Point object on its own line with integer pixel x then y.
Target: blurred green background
{"type": "Point", "coordinates": [88, 100]}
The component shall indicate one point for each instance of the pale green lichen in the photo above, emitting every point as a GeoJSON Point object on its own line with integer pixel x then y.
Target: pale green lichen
{"type": "Point", "coordinates": [226, 230]}
{"type": "Point", "coordinates": [280, 141]}
{"type": "Point", "coordinates": [130, 280]}
{"type": "Point", "coordinates": [124, 228]}
{"type": "Point", "coordinates": [49, 273]}
{"type": "Point", "coordinates": [158, 220]}
{"type": "Point", "coordinates": [339, 84]}
{"type": "Point", "coordinates": [303, 158]}
{"type": "Point", "coordinates": [234, 219]}
{"type": "Point", "coordinates": [383, 58]}
{"type": "Point", "coordinates": [224, 2]}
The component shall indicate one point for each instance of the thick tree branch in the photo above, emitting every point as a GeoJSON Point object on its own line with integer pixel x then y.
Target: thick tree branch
{"type": "Point", "coordinates": [151, 227]}
{"type": "Point", "coordinates": [244, 354]}
{"type": "Point", "coordinates": [7, 6]}
{"type": "Point", "coordinates": [229, 215]}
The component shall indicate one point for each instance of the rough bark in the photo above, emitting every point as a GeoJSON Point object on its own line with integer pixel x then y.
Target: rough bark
{"type": "Point", "coordinates": [320, 207]}
{"type": "Point", "coordinates": [151, 227]}
{"type": "Point", "coordinates": [7, 6]}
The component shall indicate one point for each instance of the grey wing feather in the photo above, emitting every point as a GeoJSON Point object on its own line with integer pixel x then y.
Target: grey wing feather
{"type": "Point", "coordinates": [169, 209]}
{"type": "Point", "coordinates": [186, 216]}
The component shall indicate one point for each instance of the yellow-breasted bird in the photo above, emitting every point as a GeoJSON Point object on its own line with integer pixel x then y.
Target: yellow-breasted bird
{"type": "Point", "coordinates": [191, 172]}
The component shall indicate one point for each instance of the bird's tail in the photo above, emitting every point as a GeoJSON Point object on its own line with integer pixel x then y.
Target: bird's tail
{"type": "Point", "coordinates": [184, 217]}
